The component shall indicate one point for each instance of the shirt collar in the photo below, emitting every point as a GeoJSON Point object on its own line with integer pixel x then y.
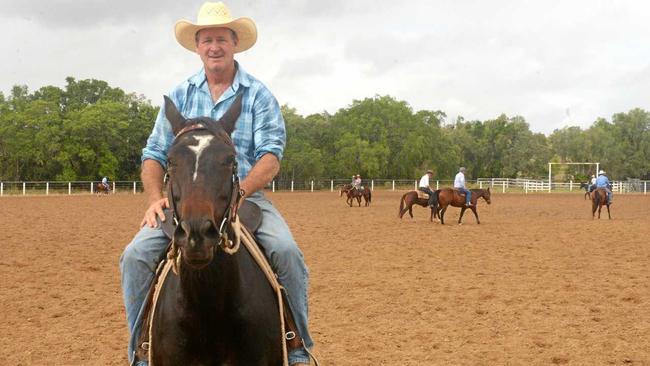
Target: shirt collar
{"type": "Point", "coordinates": [242, 78]}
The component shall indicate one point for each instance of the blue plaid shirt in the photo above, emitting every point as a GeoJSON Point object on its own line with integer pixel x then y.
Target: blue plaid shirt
{"type": "Point", "coordinates": [258, 131]}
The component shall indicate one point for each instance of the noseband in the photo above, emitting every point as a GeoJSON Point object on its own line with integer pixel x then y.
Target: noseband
{"type": "Point", "coordinates": [230, 219]}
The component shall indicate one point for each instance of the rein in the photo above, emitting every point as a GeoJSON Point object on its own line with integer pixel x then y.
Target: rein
{"type": "Point", "coordinates": [230, 221]}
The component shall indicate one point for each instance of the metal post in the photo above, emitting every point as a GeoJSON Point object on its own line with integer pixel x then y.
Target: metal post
{"type": "Point", "coordinates": [480, 184]}
{"type": "Point", "coordinates": [332, 185]}
{"type": "Point", "coordinates": [134, 184]}
{"type": "Point", "coordinates": [92, 189]}
{"type": "Point", "coordinates": [372, 185]}
{"type": "Point", "coordinates": [291, 186]}
{"type": "Point", "coordinates": [503, 187]}
{"type": "Point", "coordinates": [570, 186]}
{"type": "Point", "coordinates": [273, 186]}
{"type": "Point", "coordinates": [393, 185]}
{"type": "Point", "coordinates": [2, 188]}
{"type": "Point", "coordinates": [415, 185]}
{"type": "Point", "coordinates": [645, 187]}
{"type": "Point", "coordinates": [312, 185]}
{"type": "Point", "coordinates": [113, 187]}
{"type": "Point", "coordinates": [23, 188]}
{"type": "Point", "coordinates": [69, 188]}
{"type": "Point", "coordinates": [437, 184]}
{"type": "Point", "coordinates": [47, 188]}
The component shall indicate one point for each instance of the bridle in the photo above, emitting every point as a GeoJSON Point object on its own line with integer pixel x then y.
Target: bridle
{"type": "Point", "coordinates": [230, 221]}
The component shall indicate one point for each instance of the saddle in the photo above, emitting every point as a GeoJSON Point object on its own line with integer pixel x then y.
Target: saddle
{"type": "Point", "coordinates": [422, 194]}
{"type": "Point", "coordinates": [250, 216]}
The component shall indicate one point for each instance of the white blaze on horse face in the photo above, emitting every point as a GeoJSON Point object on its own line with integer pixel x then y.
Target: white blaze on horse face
{"type": "Point", "coordinates": [203, 142]}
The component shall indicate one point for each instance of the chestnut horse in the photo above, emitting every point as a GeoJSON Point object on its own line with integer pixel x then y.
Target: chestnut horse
{"type": "Point", "coordinates": [352, 193]}
{"type": "Point", "coordinates": [219, 309]}
{"type": "Point", "coordinates": [100, 188]}
{"type": "Point", "coordinates": [449, 196]}
{"type": "Point", "coordinates": [411, 198]}
{"type": "Point", "coordinates": [598, 200]}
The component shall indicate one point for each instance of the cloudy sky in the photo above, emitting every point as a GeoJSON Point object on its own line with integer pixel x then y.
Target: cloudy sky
{"type": "Point", "coordinates": [556, 63]}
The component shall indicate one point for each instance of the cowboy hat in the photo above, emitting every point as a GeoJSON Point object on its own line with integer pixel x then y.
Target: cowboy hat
{"type": "Point", "coordinates": [213, 15]}
{"type": "Point", "coordinates": [461, 169]}
{"type": "Point", "coordinates": [429, 171]}
{"type": "Point", "coordinates": [601, 172]}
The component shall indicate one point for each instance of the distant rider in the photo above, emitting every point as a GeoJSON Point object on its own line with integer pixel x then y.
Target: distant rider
{"type": "Point", "coordinates": [357, 182]}
{"type": "Point", "coordinates": [459, 183]}
{"type": "Point", "coordinates": [425, 186]}
{"type": "Point", "coordinates": [592, 183]}
{"type": "Point", "coordinates": [603, 182]}
{"type": "Point", "coordinates": [105, 183]}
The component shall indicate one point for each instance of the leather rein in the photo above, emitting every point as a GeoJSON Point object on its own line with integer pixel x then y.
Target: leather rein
{"type": "Point", "coordinates": [230, 221]}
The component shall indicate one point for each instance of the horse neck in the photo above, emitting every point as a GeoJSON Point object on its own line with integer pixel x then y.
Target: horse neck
{"type": "Point", "coordinates": [212, 284]}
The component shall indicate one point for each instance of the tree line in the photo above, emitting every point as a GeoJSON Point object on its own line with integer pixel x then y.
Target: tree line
{"type": "Point", "coordinates": [89, 129]}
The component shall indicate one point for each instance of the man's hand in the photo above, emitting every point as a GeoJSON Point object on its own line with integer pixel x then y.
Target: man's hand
{"type": "Point", "coordinates": [156, 209]}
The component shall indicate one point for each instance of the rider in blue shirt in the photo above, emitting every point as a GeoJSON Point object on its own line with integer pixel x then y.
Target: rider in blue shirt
{"type": "Point", "coordinates": [603, 182]}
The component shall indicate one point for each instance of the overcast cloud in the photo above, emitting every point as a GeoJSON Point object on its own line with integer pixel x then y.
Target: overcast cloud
{"type": "Point", "coordinates": [554, 63]}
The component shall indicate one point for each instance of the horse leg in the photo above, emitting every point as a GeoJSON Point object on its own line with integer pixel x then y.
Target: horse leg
{"type": "Point", "coordinates": [462, 212]}
{"type": "Point", "coordinates": [442, 215]}
{"type": "Point", "coordinates": [359, 200]}
{"type": "Point", "coordinates": [608, 214]}
{"type": "Point", "coordinates": [475, 214]}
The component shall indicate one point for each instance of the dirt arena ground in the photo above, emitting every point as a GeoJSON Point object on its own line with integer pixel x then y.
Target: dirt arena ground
{"type": "Point", "coordinates": [537, 283]}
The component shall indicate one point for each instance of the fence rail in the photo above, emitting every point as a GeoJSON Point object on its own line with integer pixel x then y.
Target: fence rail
{"type": "Point", "coordinates": [503, 185]}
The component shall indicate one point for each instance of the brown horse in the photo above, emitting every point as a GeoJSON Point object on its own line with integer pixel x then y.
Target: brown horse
{"type": "Point", "coordinates": [411, 198]}
{"type": "Point", "coordinates": [100, 188]}
{"type": "Point", "coordinates": [354, 193]}
{"type": "Point", "coordinates": [449, 196]}
{"type": "Point", "coordinates": [598, 200]}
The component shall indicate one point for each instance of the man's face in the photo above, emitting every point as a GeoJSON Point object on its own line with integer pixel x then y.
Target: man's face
{"type": "Point", "coordinates": [216, 47]}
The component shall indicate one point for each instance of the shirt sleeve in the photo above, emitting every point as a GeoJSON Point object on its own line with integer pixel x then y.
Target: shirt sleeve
{"type": "Point", "coordinates": [269, 133]}
{"type": "Point", "coordinates": [161, 136]}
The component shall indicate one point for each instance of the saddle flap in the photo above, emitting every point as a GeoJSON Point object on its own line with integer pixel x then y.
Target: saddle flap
{"type": "Point", "coordinates": [249, 213]}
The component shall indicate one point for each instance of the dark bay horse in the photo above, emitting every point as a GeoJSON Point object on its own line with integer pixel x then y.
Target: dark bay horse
{"type": "Point", "coordinates": [585, 186]}
{"type": "Point", "coordinates": [598, 200]}
{"type": "Point", "coordinates": [219, 309]}
{"type": "Point", "coordinates": [449, 196]}
{"type": "Point", "coordinates": [411, 198]}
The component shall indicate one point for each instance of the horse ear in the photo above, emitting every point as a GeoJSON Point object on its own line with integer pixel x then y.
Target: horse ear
{"type": "Point", "coordinates": [229, 119]}
{"type": "Point", "coordinates": [174, 117]}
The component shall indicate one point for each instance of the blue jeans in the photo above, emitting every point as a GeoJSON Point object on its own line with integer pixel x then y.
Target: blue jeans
{"type": "Point", "coordinates": [468, 194]}
{"type": "Point", "coordinates": [140, 258]}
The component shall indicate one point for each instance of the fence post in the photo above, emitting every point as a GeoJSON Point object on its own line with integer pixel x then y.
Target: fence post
{"type": "Point", "coordinates": [372, 185]}
{"type": "Point", "coordinates": [69, 188]}
{"type": "Point", "coordinates": [480, 184]}
{"type": "Point", "coordinates": [113, 187]}
{"type": "Point", "coordinates": [415, 185]}
{"type": "Point", "coordinates": [23, 188]}
{"type": "Point", "coordinates": [503, 187]}
{"type": "Point", "coordinates": [291, 186]}
{"type": "Point", "coordinates": [2, 188]}
{"type": "Point", "coordinates": [331, 185]}
{"type": "Point", "coordinates": [645, 187]}
{"type": "Point", "coordinates": [393, 184]}
{"type": "Point", "coordinates": [47, 188]}
{"type": "Point", "coordinates": [312, 185]}
{"type": "Point", "coordinates": [92, 189]}
{"type": "Point", "coordinates": [273, 186]}
{"type": "Point", "coordinates": [437, 184]}
{"type": "Point", "coordinates": [570, 186]}
{"type": "Point", "coordinates": [134, 183]}
{"type": "Point", "coordinates": [526, 187]}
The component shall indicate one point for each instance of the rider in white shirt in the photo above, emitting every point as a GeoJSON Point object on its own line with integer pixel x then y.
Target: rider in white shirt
{"type": "Point", "coordinates": [459, 183]}
{"type": "Point", "coordinates": [425, 187]}
{"type": "Point", "coordinates": [105, 183]}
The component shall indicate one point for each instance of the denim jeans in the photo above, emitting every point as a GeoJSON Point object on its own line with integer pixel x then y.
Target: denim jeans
{"type": "Point", "coordinates": [428, 191]}
{"type": "Point", "coordinates": [140, 258]}
{"type": "Point", "coordinates": [468, 194]}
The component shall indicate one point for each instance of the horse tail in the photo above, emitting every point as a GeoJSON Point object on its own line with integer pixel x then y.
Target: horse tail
{"type": "Point", "coordinates": [401, 204]}
{"type": "Point", "coordinates": [369, 196]}
{"type": "Point", "coordinates": [436, 198]}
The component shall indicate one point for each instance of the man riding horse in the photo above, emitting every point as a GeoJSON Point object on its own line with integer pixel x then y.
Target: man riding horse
{"type": "Point", "coordinates": [259, 140]}
{"type": "Point", "coordinates": [459, 184]}
{"type": "Point", "coordinates": [425, 186]}
{"type": "Point", "coordinates": [603, 182]}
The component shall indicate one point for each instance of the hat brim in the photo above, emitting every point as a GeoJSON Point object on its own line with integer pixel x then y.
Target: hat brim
{"type": "Point", "coordinates": [244, 27]}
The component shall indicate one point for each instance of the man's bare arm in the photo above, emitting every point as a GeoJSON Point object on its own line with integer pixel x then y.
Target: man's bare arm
{"type": "Point", "coordinates": [261, 174]}
{"type": "Point", "coordinates": [152, 175]}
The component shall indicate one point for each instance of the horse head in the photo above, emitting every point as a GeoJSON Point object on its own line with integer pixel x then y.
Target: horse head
{"type": "Point", "coordinates": [203, 186]}
{"type": "Point", "coordinates": [486, 195]}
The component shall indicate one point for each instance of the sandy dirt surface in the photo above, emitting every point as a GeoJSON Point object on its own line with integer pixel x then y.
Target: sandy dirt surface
{"type": "Point", "coordinates": [537, 283]}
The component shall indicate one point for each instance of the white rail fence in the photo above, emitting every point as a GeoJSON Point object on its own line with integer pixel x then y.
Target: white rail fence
{"type": "Point", "coordinates": [503, 185]}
